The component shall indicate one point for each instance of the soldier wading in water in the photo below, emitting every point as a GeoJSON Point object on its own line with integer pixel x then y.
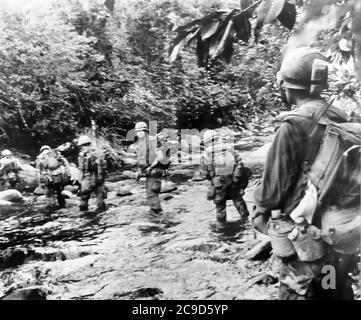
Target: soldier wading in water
{"type": "Point", "coordinates": [229, 178]}
{"type": "Point", "coordinates": [152, 154]}
{"type": "Point", "coordinates": [308, 200]}
{"type": "Point", "coordinates": [93, 168]}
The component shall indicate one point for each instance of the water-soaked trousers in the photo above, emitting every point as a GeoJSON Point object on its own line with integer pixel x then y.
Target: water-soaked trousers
{"type": "Point", "coordinates": [324, 279]}
{"type": "Point", "coordinates": [225, 189]}
{"type": "Point", "coordinates": [89, 185]}
{"type": "Point", "coordinates": [153, 185]}
{"type": "Point", "coordinates": [54, 185]}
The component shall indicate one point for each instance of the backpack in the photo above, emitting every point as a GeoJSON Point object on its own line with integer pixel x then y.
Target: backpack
{"type": "Point", "coordinates": [333, 167]}
{"type": "Point", "coordinates": [11, 166]}
{"type": "Point", "coordinates": [94, 162]}
{"type": "Point", "coordinates": [335, 171]}
{"type": "Point", "coordinates": [222, 159]}
{"type": "Point", "coordinates": [51, 161]}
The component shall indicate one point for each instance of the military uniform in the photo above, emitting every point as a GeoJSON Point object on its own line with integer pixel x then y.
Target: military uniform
{"type": "Point", "coordinates": [282, 187]}
{"type": "Point", "coordinates": [306, 181]}
{"type": "Point", "coordinates": [54, 174]}
{"type": "Point", "coordinates": [93, 168]}
{"type": "Point", "coordinates": [154, 169]}
{"type": "Point", "coordinates": [228, 180]}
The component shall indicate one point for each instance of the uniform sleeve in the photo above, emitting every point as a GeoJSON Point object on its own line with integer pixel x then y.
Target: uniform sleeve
{"type": "Point", "coordinates": [39, 164]}
{"type": "Point", "coordinates": [205, 165]}
{"type": "Point", "coordinates": [280, 171]}
{"type": "Point", "coordinates": [81, 163]}
{"type": "Point", "coordinates": [63, 161]}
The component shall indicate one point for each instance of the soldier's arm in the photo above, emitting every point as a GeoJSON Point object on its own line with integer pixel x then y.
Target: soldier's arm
{"type": "Point", "coordinates": [81, 165]}
{"type": "Point", "coordinates": [280, 171]}
{"type": "Point", "coordinates": [63, 161]}
{"type": "Point", "coordinates": [205, 166]}
{"type": "Point", "coordinates": [39, 165]}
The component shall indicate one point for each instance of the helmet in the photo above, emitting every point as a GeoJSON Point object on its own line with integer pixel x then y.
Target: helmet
{"type": "Point", "coordinates": [5, 153]}
{"type": "Point", "coordinates": [162, 137]}
{"type": "Point", "coordinates": [345, 45]}
{"type": "Point", "coordinates": [304, 68]}
{"type": "Point", "coordinates": [44, 148]}
{"type": "Point", "coordinates": [141, 126]}
{"type": "Point", "coordinates": [84, 140]}
{"type": "Point", "coordinates": [210, 135]}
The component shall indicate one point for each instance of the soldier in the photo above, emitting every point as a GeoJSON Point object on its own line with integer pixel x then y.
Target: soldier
{"type": "Point", "coordinates": [228, 176]}
{"type": "Point", "coordinates": [153, 165]}
{"type": "Point", "coordinates": [93, 169]}
{"type": "Point", "coordinates": [54, 173]}
{"type": "Point", "coordinates": [9, 168]}
{"type": "Point", "coordinates": [284, 183]}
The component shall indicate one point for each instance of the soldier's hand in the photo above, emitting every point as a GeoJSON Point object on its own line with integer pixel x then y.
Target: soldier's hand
{"type": "Point", "coordinates": [259, 220]}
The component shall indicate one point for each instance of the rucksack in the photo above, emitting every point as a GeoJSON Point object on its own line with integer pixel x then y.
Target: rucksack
{"type": "Point", "coordinates": [51, 161]}
{"type": "Point", "coordinates": [222, 159]}
{"type": "Point", "coordinates": [11, 166]}
{"type": "Point", "coordinates": [335, 171]}
{"type": "Point", "coordinates": [333, 167]}
{"type": "Point", "coordinates": [94, 161]}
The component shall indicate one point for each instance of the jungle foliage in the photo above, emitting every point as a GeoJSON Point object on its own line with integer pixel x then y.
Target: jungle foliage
{"type": "Point", "coordinates": [67, 64]}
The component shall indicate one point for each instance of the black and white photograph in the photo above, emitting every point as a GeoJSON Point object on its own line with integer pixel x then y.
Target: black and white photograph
{"type": "Point", "coordinates": [194, 151]}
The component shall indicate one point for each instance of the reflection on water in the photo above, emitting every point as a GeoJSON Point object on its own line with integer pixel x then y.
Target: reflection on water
{"type": "Point", "coordinates": [159, 224]}
{"type": "Point", "coordinates": [36, 225]}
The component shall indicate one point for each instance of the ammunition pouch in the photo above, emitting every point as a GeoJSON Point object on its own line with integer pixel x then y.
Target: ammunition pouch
{"type": "Point", "coordinates": [341, 229]}
{"type": "Point", "coordinates": [241, 175]}
{"type": "Point", "coordinates": [310, 245]}
{"type": "Point", "coordinates": [217, 182]}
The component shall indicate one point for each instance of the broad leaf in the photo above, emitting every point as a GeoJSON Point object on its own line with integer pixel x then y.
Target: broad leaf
{"type": "Point", "coordinates": [209, 30]}
{"type": "Point", "coordinates": [228, 50]}
{"type": "Point", "coordinates": [226, 38]}
{"type": "Point", "coordinates": [269, 10]}
{"type": "Point", "coordinates": [176, 49]}
{"type": "Point", "coordinates": [110, 5]}
{"type": "Point", "coordinates": [214, 46]}
{"type": "Point", "coordinates": [202, 52]}
{"type": "Point", "coordinates": [242, 26]}
{"type": "Point", "coordinates": [180, 41]}
{"type": "Point", "coordinates": [288, 15]}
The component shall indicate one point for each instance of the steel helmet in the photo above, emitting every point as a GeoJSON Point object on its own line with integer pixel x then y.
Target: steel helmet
{"type": "Point", "coordinates": [141, 126]}
{"type": "Point", "coordinates": [210, 135]}
{"type": "Point", "coordinates": [304, 68]}
{"type": "Point", "coordinates": [345, 45]}
{"type": "Point", "coordinates": [6, 153]}
{"type": "Point", "coordinates": [162, 137]}
{"type": "Point", "coordinates": [84, 140]}
{"type": "Point", "coordinates": [44, 148]}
